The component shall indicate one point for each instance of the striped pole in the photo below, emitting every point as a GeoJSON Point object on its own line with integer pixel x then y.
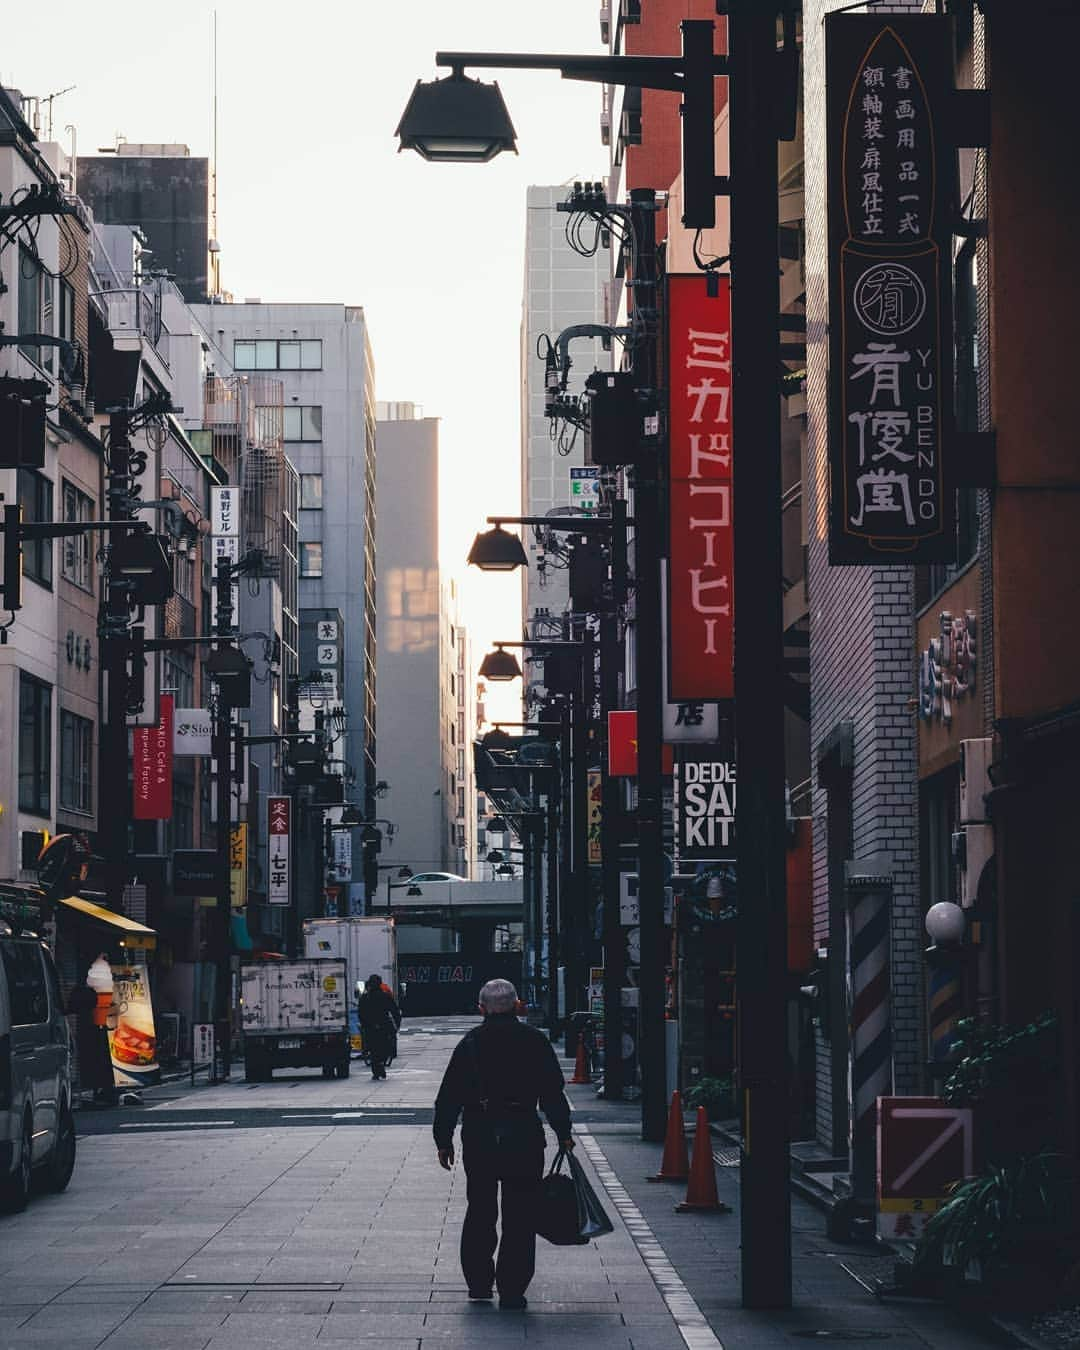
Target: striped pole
{"type": "Point", "coordinates": [945, 1007]}
{"type": "Point", "coordinates": [871, 1028]}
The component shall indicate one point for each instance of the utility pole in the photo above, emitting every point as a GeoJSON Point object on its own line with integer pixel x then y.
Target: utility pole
{"type": "Point", "coordinates": [761, 975]}
{"type": "Point", "coordinates": [222, 751]}
{"type": "Point", "coordinates": [113, 632]}
{"type": "Point", "coordinates": [652, 1056]}
{"type": "Point", "coordinates": [611, 813]}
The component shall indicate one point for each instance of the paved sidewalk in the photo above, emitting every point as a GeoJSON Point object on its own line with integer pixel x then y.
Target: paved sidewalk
{"type": "Point", "coordinates": [201, 1223]}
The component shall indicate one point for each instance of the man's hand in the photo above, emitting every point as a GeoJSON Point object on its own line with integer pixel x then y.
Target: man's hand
{"type": "Point", "coordinates": [446, 1158]}
{"type": "Point", "coordinates": [566, 1143]}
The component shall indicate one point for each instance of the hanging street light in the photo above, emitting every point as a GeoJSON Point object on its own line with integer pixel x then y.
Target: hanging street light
{"type": "Point", "coordinates": [500, 666]}
{"type": "Point", "coordinates": [456, 121]}
{"type": "Point", "coordinates": [497, 550]}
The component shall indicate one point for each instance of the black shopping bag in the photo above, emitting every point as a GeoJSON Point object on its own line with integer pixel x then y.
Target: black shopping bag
{"type": "Point", "coordinates": [568, 1213]}
{"type": "Point", "coordinates": [593, 1222]}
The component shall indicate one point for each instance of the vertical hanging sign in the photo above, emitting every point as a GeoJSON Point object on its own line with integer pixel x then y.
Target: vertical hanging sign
{"type": "Point", "coordinates": [278, 833]}
{"type": "Point", "coordinates": [700, 612]}
{"type": "Point", "coordinates": [888, 83]}
{"type": "Point", "coordinates": [152, 756]}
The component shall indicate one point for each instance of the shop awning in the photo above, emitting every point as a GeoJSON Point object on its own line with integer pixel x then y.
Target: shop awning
{"type": "Point", "coordinates": [129, 933]}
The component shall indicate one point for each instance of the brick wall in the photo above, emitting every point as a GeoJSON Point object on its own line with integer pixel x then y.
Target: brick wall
{"type": "Point", "coordinates": [861, 645]}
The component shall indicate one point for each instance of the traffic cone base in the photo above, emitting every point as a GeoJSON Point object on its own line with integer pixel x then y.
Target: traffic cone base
{"type": "Point", "coordinates": [675, 1164]}
{"type": "Point", "coordinates": [701, 1196]}
{"type": "Point", "coordinates": [581, 1064]}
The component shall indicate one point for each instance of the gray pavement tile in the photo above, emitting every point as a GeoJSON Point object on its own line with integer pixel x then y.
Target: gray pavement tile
{"type": "Point", "coordinates": [163, 1339]}
{"type": "Point", "coordinates": [356, 1326]}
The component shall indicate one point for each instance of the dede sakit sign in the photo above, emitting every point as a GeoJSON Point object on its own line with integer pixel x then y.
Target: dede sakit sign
{"type": "Point", "coordinates": [704, 804]}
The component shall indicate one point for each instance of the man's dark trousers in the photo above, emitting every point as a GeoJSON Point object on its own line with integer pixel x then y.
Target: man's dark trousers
{"type": "Point", "coordinates": [510, 1154]}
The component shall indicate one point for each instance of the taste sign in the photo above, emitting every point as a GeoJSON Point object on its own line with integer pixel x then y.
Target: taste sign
{"type": "Point", "coordinates": [704, 807]}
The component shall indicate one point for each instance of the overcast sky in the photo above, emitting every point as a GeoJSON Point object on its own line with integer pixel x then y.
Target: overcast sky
{"type": "Point", "coordinates": [315, 203]}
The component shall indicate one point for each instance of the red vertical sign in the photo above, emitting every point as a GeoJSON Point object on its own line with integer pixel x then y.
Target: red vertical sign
{"type": "Point", "coordinates": [701, 627]}
{"type": "Point", "coordinates": [153, 766]}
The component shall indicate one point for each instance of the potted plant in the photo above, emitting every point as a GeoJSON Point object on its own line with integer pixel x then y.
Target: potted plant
{"type": "Point", "coordinates": [716, 1095]}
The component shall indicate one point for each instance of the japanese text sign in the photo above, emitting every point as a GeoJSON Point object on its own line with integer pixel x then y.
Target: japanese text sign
{"type": "Point", "coordinates": [225, 510]}
{"type": "Point", "coordinates": [890, 343]}
{"type": "Point", "coordinates": [238, 865]}
{"type": "Point", "coordinates": [278, 835]}
{"type": "Point", "coordinates": [152, 755]}
{"type": "Point", "coordinates": [923, 1146]}
{"type": "Point", "coordinates": [700, 617]}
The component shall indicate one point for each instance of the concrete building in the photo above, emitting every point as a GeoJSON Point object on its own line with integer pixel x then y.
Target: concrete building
{"type": "Point", "coordinates": [427, 695]}
{"type": "Point", "coordinates": [322, 356]}
{"type": "Point", "coordinates": [165, 191]}
{"type": "Point", "coordinates": [562, 288]}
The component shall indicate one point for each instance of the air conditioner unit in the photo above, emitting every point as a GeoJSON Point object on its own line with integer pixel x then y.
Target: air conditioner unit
{"type": "Point", "coordinates": [978, 850]}
{"type": "Point", "coordinates": [605, 24]}
{"type": "Point", "coordinates": [975, 757]}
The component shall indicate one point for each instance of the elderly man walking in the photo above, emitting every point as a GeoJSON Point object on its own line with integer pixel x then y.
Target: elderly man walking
{"type": "Point", "coordinates": [498, 1075]}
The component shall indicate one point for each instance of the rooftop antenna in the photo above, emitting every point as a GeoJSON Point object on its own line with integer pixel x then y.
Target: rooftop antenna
{"type": "Point", "coordinates": [48, 101]}
{"type": "Point", "coordinates": [214, 247]}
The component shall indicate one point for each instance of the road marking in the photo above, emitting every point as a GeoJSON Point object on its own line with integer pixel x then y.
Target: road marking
{"type": "Point", "coordinates": [681, 1304]}
{"type": "Point", "coordinates": [173, 1124]}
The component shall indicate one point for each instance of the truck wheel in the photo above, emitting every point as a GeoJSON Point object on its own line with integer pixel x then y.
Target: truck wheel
{"type": "Point", "coordinates": [328, 1071]}
{"type": "Point", "coordinates": [342, 1069]}
{"type": "Point", "coordinates": [255, 1072]}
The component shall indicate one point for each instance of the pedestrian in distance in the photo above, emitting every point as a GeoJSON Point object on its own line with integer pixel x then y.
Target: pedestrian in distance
{"type": "Point", "coordinates": [498, 1075]}
{"type": "Point", "coordinates": [380, 1018]}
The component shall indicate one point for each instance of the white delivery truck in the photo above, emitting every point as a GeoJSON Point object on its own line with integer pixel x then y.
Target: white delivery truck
{"type": "Point", "coordinates": [295, 1013]}
{"type": "Point", "coordinates": [367, 945]}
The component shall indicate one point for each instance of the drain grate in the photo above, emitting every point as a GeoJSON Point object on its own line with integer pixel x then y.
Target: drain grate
{"type": "Point", "coordinates": [727, 1157]}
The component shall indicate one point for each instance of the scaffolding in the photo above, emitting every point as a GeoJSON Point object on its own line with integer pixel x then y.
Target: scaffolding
{"type": "Point", "coordinates": [245, 415]}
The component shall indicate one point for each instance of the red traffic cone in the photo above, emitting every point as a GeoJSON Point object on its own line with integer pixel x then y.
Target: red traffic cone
{"type": "Point", "coordinates": [581, 1064]}
{"type": "Point", "coordinates": [675, 1164]}
{"type": "Point", "coordinates": [701, 1192]}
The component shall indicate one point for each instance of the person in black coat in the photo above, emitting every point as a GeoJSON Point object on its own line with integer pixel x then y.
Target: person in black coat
{"type": "Point", "coordinates": [498, 1075]}
{"type": "Point", "coordinates": [379, 1020]}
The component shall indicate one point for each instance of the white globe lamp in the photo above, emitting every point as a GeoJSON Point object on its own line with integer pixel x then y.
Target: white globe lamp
{"type": "Point", "coordinates": [945, 922]}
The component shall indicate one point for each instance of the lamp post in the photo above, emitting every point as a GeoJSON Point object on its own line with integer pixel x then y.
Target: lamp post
{"type": "Point", "coordinates": [503, 665]}
{"type": "Point", "coordinates": [760, 111]}
{"type": "Point", "coordinates": [498, 550]}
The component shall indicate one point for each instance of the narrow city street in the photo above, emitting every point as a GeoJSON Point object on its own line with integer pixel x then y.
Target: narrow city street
{"type": "Point", "coordinates": [304, 1210]}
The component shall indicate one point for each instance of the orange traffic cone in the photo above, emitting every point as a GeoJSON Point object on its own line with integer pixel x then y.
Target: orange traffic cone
{"type": "Point", "coordinates": [581, 1064]}
{"type": "Point", "coordinates": [701, 1192]}
{"type": "Point", "coordinates": [675, 1164]}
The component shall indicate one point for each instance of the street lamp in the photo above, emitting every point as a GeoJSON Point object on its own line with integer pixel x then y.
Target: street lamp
{"type": "Point", "coordinates": [760, 100]}
{"type": "Point", "coordinates": [497, 550]}
{"type": "Point", "coordinates": [500, 666]}
{"type": "Point", "coordinates": [457, 120]}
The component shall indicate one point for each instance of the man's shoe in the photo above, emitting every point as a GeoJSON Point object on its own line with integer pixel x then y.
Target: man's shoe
{"type": "Point", "coordinates": [513, 1302]}
{"type": "Point", "coordinates": [480, 1295]}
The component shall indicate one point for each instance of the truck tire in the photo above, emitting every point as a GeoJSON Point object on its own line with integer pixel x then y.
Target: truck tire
{"type": "Point", "coordinates": [342, 1070]}
{"type": "Point", "coordinates": [255, 1071]}
{"type": "Point", "coordinates": [328, 1071]}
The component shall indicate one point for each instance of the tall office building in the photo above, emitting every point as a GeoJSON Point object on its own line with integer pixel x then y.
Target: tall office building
{"type": "Point", "coordinates": [322, 356]}
{"type": "Point", "coordinates": [562, 288]}
{"type": "Point", "coordinates": [426, 694]}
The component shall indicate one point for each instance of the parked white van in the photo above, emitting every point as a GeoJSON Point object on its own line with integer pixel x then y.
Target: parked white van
{"type": "Point", "coordinates": [37, 1128]}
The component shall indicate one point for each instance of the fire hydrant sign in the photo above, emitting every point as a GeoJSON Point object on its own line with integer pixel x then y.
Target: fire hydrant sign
{"type": "Point", "coordinates": [923, 1147]}
{"type": "Point", "coordinates": [278, 833]}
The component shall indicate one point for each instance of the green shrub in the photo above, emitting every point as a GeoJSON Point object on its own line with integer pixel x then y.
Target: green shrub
{"type": "Point", "coordinates": [716, 1095]}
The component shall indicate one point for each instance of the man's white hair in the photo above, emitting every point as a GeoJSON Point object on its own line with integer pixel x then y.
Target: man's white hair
{"type": "Point", "coordinates": [498, 996]}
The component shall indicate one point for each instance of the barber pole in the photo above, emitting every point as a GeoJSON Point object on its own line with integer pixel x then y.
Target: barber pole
{"type": "Point", "coordinates": [945, 1006]}
{"type": "Point", "coordinates": [871, 1029]}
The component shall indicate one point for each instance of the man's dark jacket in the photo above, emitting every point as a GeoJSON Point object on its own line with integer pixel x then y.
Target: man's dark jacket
{"type": "Point", "coordinates": [502, 1069]}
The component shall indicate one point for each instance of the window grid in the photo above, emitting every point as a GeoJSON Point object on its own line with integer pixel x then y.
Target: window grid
{"type": "Point", "coordinates": [277, 354]}
{"type": "Point", "coordinates": [311, 560]}
{"type": "Point", "coordinates": [36, 499]}
{"type": "Point", "coordinates": [78, 565]}
{"type": "Point", "coordinates": [76, 762]}
{"type": "Point", "coordinates": [35, 745]}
